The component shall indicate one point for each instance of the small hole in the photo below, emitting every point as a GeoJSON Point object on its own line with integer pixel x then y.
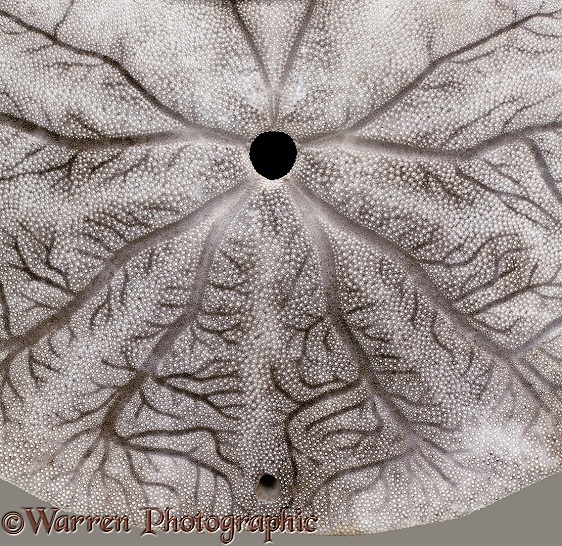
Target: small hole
{"type": "Point", "coordinates": [273, 154]}
{"type": "Point", "coordinates": [268, 488]}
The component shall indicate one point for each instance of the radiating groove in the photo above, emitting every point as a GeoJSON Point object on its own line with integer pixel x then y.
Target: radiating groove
{"type": "Point", "coordinates": [435, 64]}
{"type": "Point", "coordinates": [334, 313]}
{"type": "Point", "coordinates": [291, 58]}
{"type": "Point", "coordinates": [197, 288]}
{"type": "Point", "coordinates": [416, 273]}
{"type": "Point", "coordinates": [420, 153]}
{"type": "Point", "coordinates": [125, 74]}
{"type": "Point", "coordinates": [99, 143]}
{"type": "Point", "coordinates": [258, 59]}
{"type": "Point", "coordinates": [217, 206]}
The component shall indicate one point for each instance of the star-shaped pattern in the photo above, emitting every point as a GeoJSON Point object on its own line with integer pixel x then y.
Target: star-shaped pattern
{"type": "Point", "coordinates": [378, 330]}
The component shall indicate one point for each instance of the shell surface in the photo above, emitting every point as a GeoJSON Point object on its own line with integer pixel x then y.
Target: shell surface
{"type": "Point", "coordinates": [378, 332]}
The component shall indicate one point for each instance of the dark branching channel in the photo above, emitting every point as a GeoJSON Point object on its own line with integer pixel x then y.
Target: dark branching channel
{"type": "Point", "coordinates": [196, 316]}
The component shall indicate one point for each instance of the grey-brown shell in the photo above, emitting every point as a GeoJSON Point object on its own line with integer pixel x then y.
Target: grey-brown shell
{"type": "Point", "coordinates": [380, 330]}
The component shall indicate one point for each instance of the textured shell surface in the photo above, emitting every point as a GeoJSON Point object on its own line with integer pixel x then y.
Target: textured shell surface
{"type": "Point", "coordinates": [379, 330]}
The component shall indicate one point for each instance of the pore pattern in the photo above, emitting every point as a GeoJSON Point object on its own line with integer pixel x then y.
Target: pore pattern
{"type": "Point", "coordinates": [380, 329]}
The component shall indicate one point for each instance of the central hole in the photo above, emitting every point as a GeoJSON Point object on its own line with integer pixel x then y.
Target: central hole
{"type": "Point", "coordinates": [273, 154]}
{"type": "Point", "coordinates": [268, 488]}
